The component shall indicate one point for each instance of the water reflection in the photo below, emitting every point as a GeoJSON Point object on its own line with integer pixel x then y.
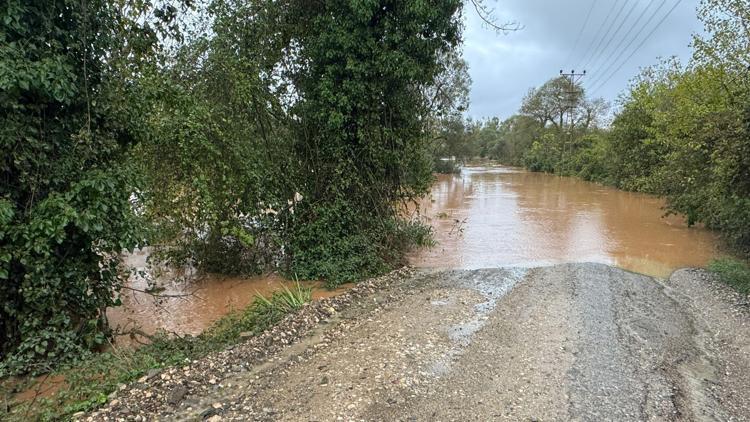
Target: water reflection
{"type": "Point", "coordinates": [497, 216]}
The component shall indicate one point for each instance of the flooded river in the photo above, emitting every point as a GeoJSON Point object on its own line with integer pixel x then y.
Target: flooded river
{"type": "Point", "coordinates": [499, 216]}
{"type": "Point", "coordinates": [484, 217]}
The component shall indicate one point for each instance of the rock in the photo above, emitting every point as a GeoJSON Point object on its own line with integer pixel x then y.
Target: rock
{"type": "Point", "coordinates": [246, 334]}
{"type": "Point", "coordinates": [208, 412]}
{"type": "Point", "coordinates": [324, 381]}
{"type": "Point", "coordinates": [152, 373]}
{"type": "Point", "coordinates": [214, 418]}
{"type": "Point", "coordinates": [177, 394]}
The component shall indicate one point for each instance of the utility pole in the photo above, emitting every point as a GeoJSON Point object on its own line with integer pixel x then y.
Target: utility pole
{"type": "Point", "coordinates": [573, 78]}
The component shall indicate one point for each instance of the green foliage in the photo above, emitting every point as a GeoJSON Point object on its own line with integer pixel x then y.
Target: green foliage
{"type": "Point", "coordinates": [89, 382]}
{"type": "Point", "coordinates": [361, 127]}
{"type": "Point", "coordinates": [288, 135]}
{"type": "Point", "coordinates": [733, 272]}
{"type": "Point", "coordinates": [66, 125]}
{"type": "Point", "coordinates": [451, 144]}
{"type": "Point", "coordinates": [240, 137]}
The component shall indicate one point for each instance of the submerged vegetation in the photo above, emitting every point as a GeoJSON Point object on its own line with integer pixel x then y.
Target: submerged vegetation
{"type": "Point", "coordinates": [88, 383]}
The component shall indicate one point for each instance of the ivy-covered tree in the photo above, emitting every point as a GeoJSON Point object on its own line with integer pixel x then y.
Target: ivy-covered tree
{"type": "Point", "coordinates": [364, 66]}
{"type": "Point", "coordinates": [67, 78]}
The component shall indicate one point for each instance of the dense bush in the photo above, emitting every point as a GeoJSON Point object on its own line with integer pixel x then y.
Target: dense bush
{"type": "Point", "coordinates": [66, 125]}
{"type": "Point", "coordinates": [290, 135]}
{"type": "Point", "coordinates": [361, 129]}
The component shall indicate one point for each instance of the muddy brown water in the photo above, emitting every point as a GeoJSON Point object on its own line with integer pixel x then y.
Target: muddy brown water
{"type": "Point", "coordinates": [498, 216]}
{"type": "Point", "coordinates": [484, 217]}
{"type": "Point", "coordinates": [189, 302]}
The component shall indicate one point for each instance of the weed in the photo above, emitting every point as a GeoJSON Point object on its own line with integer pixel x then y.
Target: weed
{"type": "Point", "coordinates": [733, 272]}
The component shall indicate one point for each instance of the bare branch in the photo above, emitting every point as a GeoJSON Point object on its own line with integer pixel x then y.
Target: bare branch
{"type": "Point", "coordinates": [486, 14]}
{"type": "Point", "coordinates": [160, 296]}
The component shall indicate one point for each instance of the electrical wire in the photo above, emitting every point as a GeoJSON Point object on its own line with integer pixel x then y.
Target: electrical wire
{"type": "Point", "coordinates": [614, 34]}
{"type": "Point", "coordinates": [639, 46]}
{"type": "Point", "coordinates": [578, 38]}
{"type": "Point", "coordinates": [606, 34]}
{"type": "Point", "coordinates": [599, 31]}
{"type": "Point", "coordinates": [622, 51]}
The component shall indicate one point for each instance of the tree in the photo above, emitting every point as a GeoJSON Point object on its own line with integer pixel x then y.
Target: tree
{"type": "Point", "coordinates": [361, 127]}
{"type": "Point", "coordinates": [549, 103]}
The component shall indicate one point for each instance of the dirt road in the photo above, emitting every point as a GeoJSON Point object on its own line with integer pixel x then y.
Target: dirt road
{"type": "Point", "coordinates": [570, 342]}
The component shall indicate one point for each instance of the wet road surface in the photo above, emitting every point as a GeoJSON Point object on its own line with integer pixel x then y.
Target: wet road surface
{"type": "Point", "coordinates": [568, 342]}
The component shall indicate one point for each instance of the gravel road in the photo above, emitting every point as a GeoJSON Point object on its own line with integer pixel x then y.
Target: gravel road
{"type": "Point", "coordinates": [582, 342]}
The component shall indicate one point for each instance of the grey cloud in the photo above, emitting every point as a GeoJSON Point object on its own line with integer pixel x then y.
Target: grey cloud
{"type": "Point", "coordinates": [504, 67]}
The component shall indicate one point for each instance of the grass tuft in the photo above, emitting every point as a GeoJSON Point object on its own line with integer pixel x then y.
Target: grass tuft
{"type": "Point", "coordinates": [733, 272]}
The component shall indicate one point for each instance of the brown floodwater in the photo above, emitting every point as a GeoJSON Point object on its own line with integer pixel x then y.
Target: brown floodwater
{"type": "Point", "coordinates": [189, 302]}
{"type": "Point", "coordinates": [485, 217]}
{"type": "Point", "coordinates": [495, 216]}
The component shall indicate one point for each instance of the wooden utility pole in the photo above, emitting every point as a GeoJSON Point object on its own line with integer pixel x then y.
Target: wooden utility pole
{"type": "Point", "coordinates": [573, 78]}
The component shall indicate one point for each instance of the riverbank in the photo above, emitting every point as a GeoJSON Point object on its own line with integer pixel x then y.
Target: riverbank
{"type": "Point", "coordinates": [583, 341]}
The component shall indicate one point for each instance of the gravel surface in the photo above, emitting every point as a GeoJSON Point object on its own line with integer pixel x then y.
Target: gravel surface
{"type": "Point", "coordinates": [569, 342]}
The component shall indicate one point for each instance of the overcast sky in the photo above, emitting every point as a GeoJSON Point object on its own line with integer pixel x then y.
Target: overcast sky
{"type": "Point", "coordinates": [504, 67]}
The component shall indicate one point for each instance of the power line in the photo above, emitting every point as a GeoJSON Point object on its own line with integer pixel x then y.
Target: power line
{"type": "Point", "coordinates": [639, 46]}
{"type": "Point", "coordinates": [623, 51]}
{"type": "Point", "coordinates": [614, 34]}
{"type": "Point", "coordinates": [606, 34]}
{"type": "Point", "coordinates": [617, 48]}
{"type": "Point", "coordinates": [599, 31]}
{"type": "Point", "coordinates": [578, 38]}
